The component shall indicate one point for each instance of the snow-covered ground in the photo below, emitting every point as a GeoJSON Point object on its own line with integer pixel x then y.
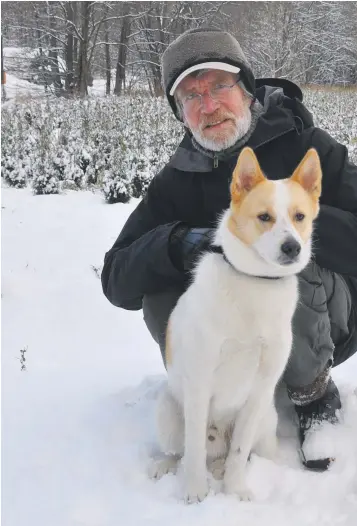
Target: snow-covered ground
{"type": "Point", "coordinates": [17, 60]}
{"type": "Point", "coordinates": [21, 90]}
{"type": "Point", "coordinates": [78, 420]}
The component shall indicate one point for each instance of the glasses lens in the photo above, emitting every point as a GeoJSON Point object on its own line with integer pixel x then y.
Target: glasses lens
{"type": "Point", "coordinates": [217, 92]}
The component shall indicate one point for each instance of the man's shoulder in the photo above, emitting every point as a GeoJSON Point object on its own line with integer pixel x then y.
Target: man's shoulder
{"type": "Point", "coordinates": [273, 92]}
{"type": "Point", "coordinates": [323, 142]}
{"type": "Point", "coordinates": [290, 89]}
{"type": "Point", "coordinates": [289, 95]}
{"type": "Point", "coordinates": [186, 159]}
{"type": "Point", "coordinates": [170, 174]}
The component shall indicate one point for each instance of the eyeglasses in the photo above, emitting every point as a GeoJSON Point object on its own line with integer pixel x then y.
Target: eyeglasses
{"type": "Point", "coordinates": [193, 101]}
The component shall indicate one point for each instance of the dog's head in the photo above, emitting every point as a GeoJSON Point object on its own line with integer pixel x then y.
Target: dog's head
{"type": "Point", "coordinates": [275, 218]}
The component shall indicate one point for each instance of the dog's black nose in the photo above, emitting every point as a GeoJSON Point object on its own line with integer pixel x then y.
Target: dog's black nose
{"type": "Point", "coordinates": [291, 248]}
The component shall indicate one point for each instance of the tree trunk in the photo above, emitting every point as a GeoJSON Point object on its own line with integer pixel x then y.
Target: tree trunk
{"type": "Point", "coordinates": [53, 57]}
{"type": "Point", "coordinates": [3, 75]}
{"type": "Point", "coordinates": [107, 56]}
{"type": "Point", "coordinates": [156, 80]}
{"type": "Point", "coordinates": [69, 81]}
{"type": "Point", "coordinates": [122, 54]}
{"type": "Point", "coordinates": [39, 42]}
{"type": "Point", "coordinates": [38, 34]}
{"type": "Point", "coordinates": [83, 51]}
{"type": "Point", "coordinates": [75, 45]}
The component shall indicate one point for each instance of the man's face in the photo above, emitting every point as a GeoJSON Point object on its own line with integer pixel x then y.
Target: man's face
{"type": "Point", "coordinates": [215, 124]}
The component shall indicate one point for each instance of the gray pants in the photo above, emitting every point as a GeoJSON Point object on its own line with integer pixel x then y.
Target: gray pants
{"type": "Point", "coordinates": [320, 324]}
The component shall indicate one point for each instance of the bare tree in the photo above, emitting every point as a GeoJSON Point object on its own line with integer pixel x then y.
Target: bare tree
{"type": "Point", "coordinates": [123, 49]}
{"type": "Point", "coordinates": [53, 55]}
{"type": "Point", "coordinates": [69, 47]}
{"type": "Point", "coordinates": [107, 54]}
{"type": "Point", "coordinates": [83, 66]}
{"type": "Point", "coordinates": [161, 23]}
{"type": "Point", "coordinates": [310, 42]}
{"type": "Point", "coordinates": [3, 74]}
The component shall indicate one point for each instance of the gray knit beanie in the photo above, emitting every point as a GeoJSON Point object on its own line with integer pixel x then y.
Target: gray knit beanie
{"type": "Point", "coordinates": [202, 45]}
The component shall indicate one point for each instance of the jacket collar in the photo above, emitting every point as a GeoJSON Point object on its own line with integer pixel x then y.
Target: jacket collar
{"type": "Point", "coordinates": [275, 121]}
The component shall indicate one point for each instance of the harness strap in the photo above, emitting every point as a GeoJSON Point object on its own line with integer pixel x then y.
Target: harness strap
{"type": "Point", "coordinates": [217, 249]}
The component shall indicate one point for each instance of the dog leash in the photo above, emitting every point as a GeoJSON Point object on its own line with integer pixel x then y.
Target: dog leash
{"type": "Point", "coordinates": [217, 249]}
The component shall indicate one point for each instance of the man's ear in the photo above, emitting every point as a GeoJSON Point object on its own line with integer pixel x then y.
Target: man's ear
{"type": "Point", "coordinates": [180, 110]}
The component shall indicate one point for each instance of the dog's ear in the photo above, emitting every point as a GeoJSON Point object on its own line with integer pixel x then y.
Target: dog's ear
{"type": "Point", "coordinates": [247, 174]}
{"type": "Point", "coordinates": [309, 174]}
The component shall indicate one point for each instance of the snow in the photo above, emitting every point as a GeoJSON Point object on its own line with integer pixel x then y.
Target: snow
{"type": "Point", "coordinates": [19, 52]}
{"type": "Point", "coordinates": [78, 421]}
{"type": "Point", "coordinates": [326, 440]}
{"type": "Point", "coordinates": [20, 88]}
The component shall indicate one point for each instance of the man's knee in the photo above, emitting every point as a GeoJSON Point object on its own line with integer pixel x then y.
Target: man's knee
{"type": "Point", "coordinates": [319, 324]}
{"type": "Point", "coordinates": [157, 309]}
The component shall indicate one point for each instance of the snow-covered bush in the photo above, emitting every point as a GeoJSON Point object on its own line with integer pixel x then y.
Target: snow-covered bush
{"type": "Point", "coordinates": [335, 111]}
{"type": "Point", "coordinates": [118, 144]}
{"type": "Point", "coordinates": [117, 178]}
{"type": "Point", "coordinates": [14, 172]}
{"type": "Point", "coordinates": [142, 173]}
{"type": "Point", "coordinates": [45, 179]}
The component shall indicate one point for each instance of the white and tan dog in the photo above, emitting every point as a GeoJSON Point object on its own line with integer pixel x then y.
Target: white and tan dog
{"type": "Point", "coordinates": [229, 336]}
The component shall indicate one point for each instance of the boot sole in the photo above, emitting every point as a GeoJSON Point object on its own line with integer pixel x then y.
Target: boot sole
{"type": "Point", "coordinates": [319, 465]}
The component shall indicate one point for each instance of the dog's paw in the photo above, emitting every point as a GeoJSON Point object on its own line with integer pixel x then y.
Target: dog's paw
{"type": "Point", "coordinates": [242, 492]}
{"type": "Point", "coordinates": [196, 491]}
{"type": "Point", "coordinates": [235, 480]}
{"type": "Point", "coordinates": [159, 467]}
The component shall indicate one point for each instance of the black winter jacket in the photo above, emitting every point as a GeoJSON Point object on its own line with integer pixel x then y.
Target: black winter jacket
{"type": "Point", "coordinates": [190, 189]}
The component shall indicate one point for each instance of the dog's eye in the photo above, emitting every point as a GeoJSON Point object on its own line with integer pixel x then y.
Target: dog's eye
{"type": "Point", "coordinates": [265, 218]}
{"type": "Point", "coordinates": [299, 216]}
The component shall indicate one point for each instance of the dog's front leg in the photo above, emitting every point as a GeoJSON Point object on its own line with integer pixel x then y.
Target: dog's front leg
{"type": "Point", "coordinates": [244, 433]}
{"type": "Point", "coordinates": [245, 429]}
{"type": "Point", "coordinates": [196, 407]}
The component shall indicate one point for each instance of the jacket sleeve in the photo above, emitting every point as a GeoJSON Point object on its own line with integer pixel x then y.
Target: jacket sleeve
{"type": "Point", "coordinates": [336, 226]}
{"type": "Point", "coordinates": [139, 263]}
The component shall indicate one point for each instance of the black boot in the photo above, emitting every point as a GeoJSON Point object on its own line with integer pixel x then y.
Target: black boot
{"type": "Point", "coordinates": [312, 415]}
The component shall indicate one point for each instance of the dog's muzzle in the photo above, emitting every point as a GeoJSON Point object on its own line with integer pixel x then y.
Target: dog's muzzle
{"type": "Point", "coordinates": [289, 251]}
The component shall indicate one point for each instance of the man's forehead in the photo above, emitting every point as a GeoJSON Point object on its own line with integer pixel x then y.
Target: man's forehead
{"type": "Point", "coordinates": [207, 76]}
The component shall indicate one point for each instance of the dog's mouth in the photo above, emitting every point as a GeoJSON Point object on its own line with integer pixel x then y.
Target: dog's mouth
{"type": "Point", "coordinates": [285, 262]}
{"type": "Point", "coordinates": [280, 265]}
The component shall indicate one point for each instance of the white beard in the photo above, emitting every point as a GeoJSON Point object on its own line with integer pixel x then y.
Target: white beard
{"type": "Point", "coordinates": [242, 125]}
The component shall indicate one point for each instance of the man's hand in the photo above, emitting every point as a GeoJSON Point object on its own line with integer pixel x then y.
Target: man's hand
{"type": "Point", "coordinates": [186, 245]}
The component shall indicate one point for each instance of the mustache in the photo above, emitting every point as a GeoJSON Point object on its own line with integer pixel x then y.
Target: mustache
{"type": "Point", "coordinates": [215, 117]}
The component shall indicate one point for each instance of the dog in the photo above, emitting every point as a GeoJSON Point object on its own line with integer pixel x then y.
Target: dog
{"type": "Point", "coordinates": [229, 337]}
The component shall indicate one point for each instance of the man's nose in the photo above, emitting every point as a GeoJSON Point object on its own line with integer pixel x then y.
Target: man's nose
{"type": "Point", "coordinates": [208, 105]}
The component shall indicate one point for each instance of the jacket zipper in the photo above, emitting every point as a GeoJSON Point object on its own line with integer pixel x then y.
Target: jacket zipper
{"type": "Point", "coordinates": [216, 160]}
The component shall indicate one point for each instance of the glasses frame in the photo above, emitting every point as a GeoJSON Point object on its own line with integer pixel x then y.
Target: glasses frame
{"type": "Point", "coordinates": [186, 100]}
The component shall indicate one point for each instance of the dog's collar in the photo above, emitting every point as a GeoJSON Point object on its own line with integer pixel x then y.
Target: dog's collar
{"type": "Point", "coordinates": [217, 249]}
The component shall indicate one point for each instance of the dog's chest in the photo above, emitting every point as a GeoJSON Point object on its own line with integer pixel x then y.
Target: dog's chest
{"type": "Point", "coordinates": [235, 374]}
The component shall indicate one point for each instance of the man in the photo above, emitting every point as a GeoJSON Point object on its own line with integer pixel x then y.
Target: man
{"type": "Point", "coordinates": [212, 90]}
